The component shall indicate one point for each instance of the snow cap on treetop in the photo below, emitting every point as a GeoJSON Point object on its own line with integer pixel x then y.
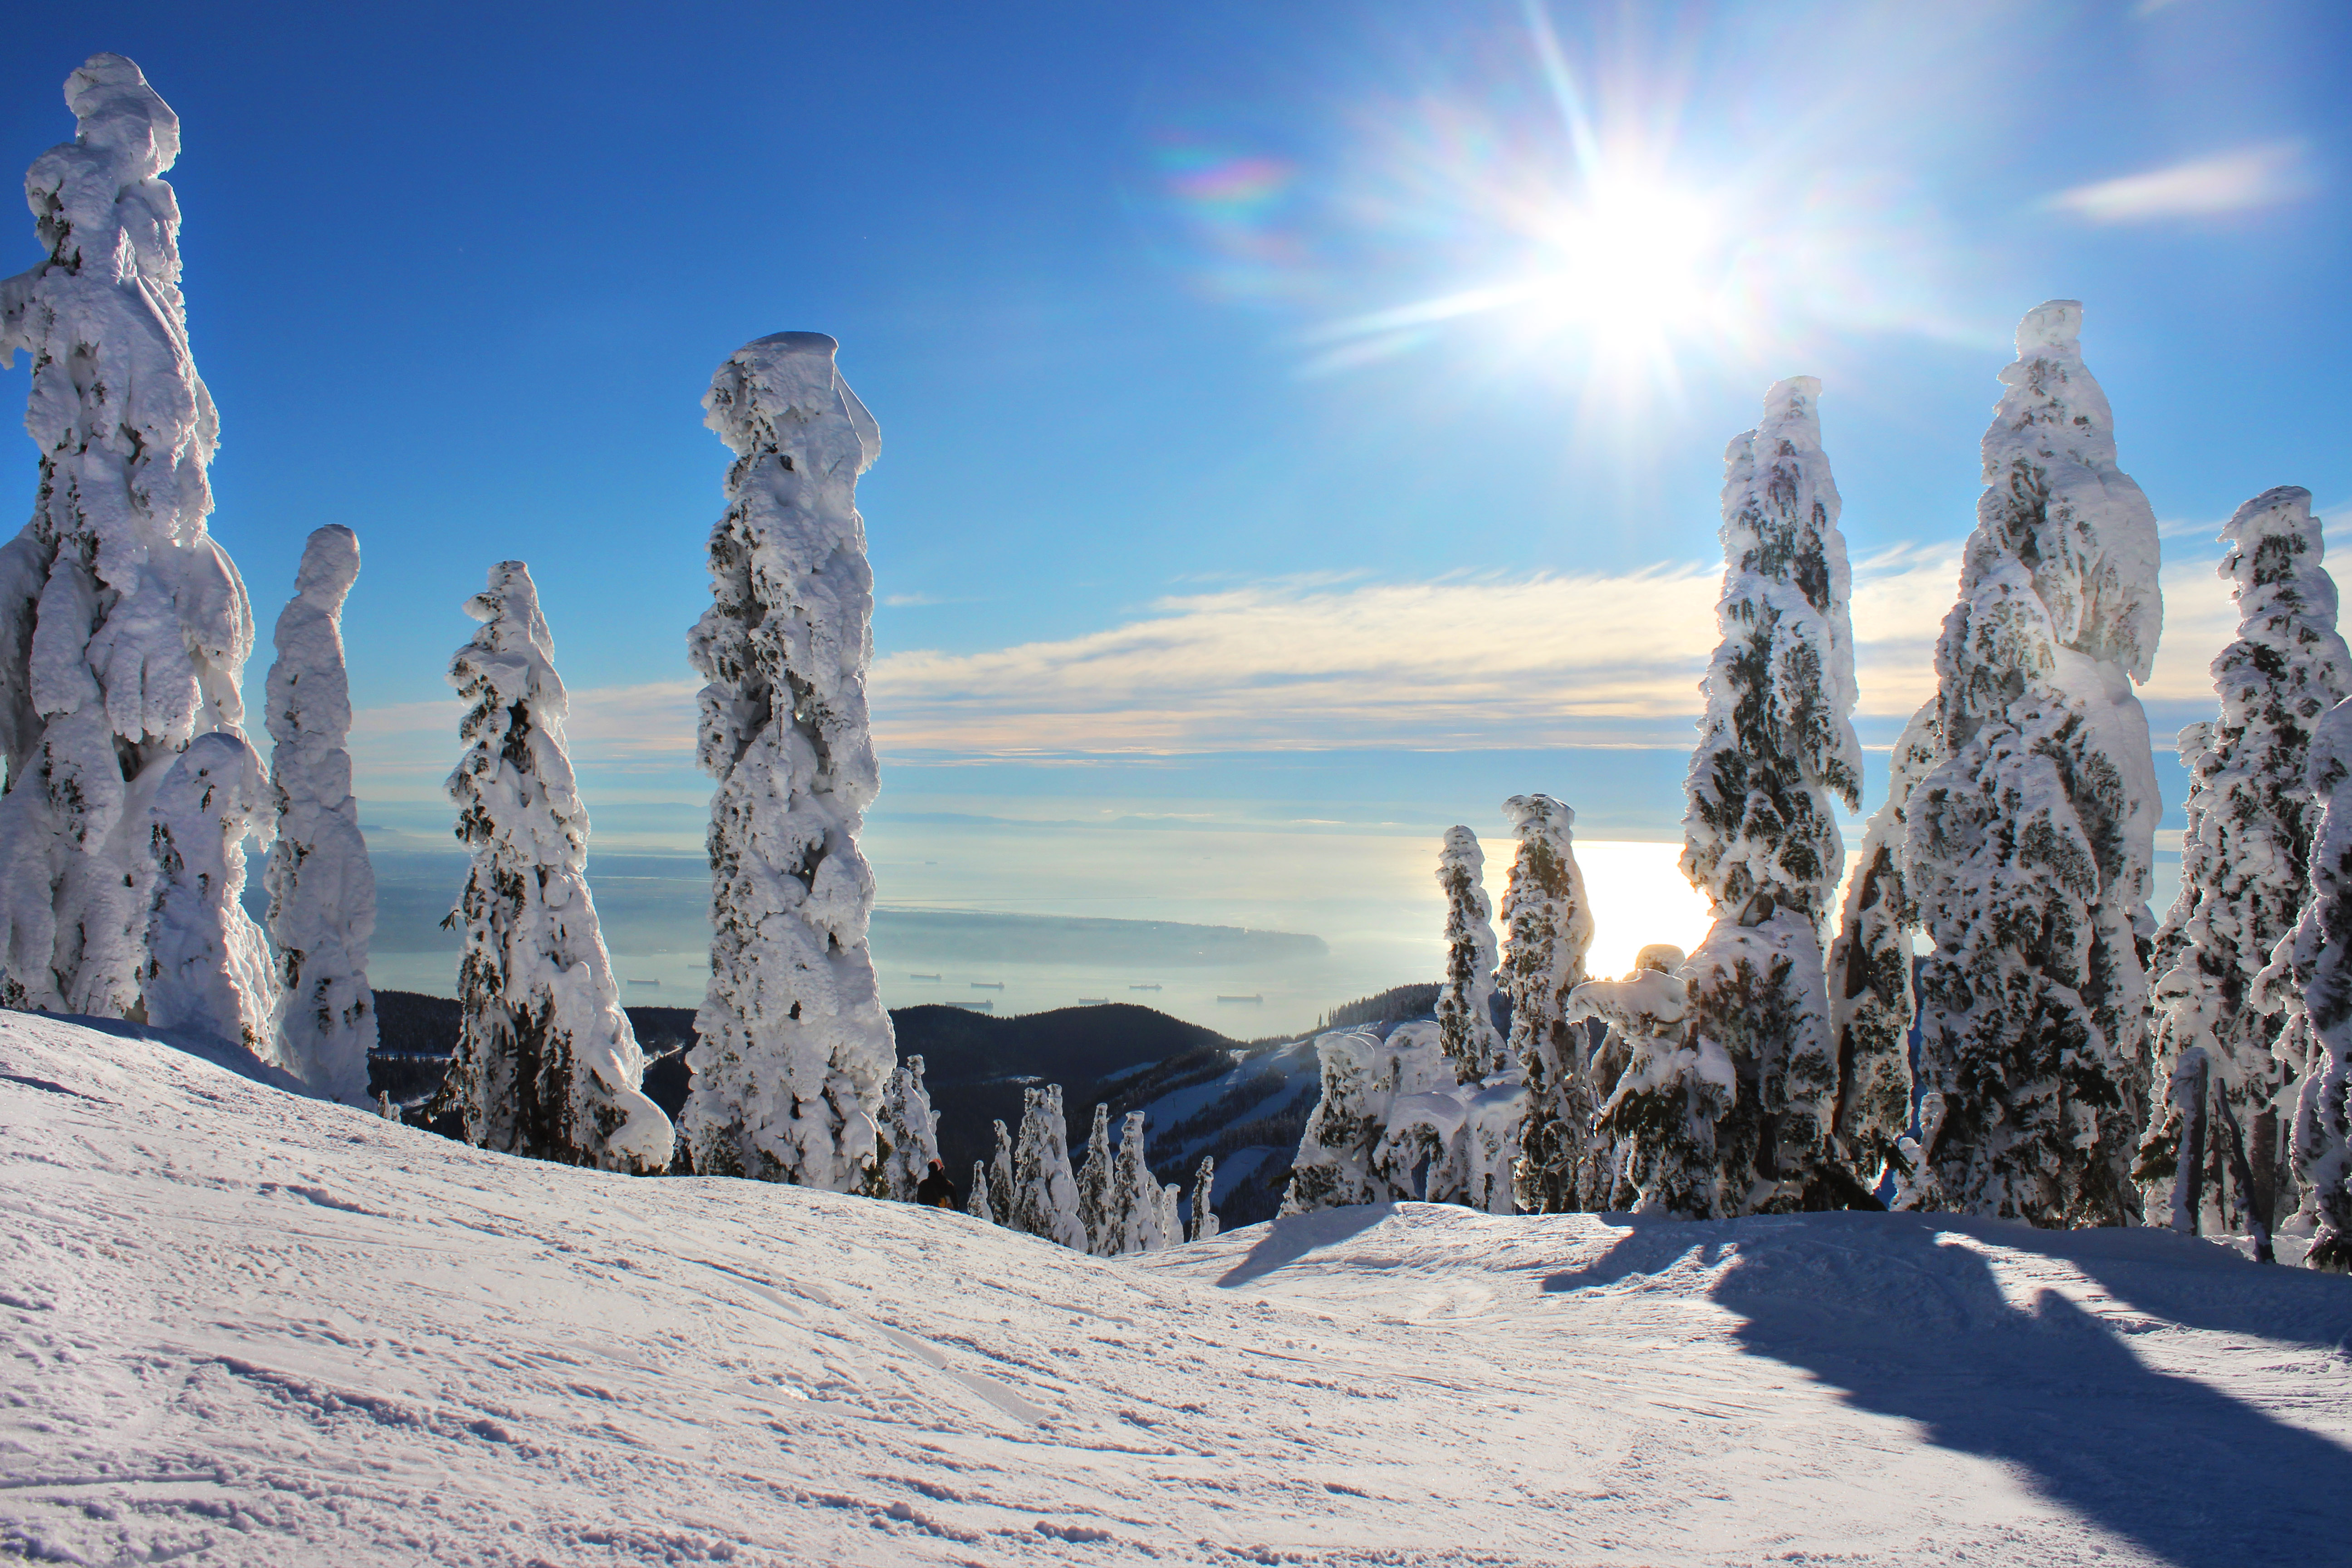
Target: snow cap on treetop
{"type": "Point", "coordinates": [125, 134]}
{"type": "Point", "coordinates": [330, 564]}
{"type": "Point", "coordinates": [2053, 324]}
{"type": "Point", "coordinates": [785, 374]}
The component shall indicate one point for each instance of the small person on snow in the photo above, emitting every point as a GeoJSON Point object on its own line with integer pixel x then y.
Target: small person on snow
{"type": "Point", "coordinates": [936, 1191]}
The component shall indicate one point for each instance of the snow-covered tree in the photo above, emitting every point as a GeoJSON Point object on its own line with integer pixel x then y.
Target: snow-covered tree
{"type": "Point", "coordinates": [794, 1043]}
{"type": "Point", "coordinates": [1548, 927]}
{"type": "Point", "coordinates": [909, 1132]}
{"type": "Point", "coordinates": [1362, 1076]}
{"type": "Point", "coordinates": [547, 1065]}
{"type": "Point", "coordinates": [1480, 1135]}
{"type": "Point", "coordinates": [2309, 980]}
{"type": "Point", "coordinates": [321, 885]}
{"type": "Point", "coordinates": [1045, 1191]}
{"type": "Point", "coordinates": [2246, 854]}
{"type": "Point", "coordinates": [1777, 752]}
{"type": "Point", "coordinates": [1095, 1182]}
{"type": "Point", "coordinates": [1466, 1001]}
{"type": "Point", "coordinates": [2029, 843]}
{"type": "Point", "coordinates": [1172, 1214]}
{"type": "Point", "coordinates": [1870, 1005]}
{"type": "Point", "coordinates": [1204, 1218]}
{"type": "Point", "coordinates": [1139, 1218]}
{"type": "Point", "coordinates": [1675, 1088]}
{"type": "Point", "coordinates": [977, 1204]}
{"type": "Point", "coordinates": [996, 1179]}
{"type": "Point", "coordinates": [124, 626]}
{"type": "Point", "coordinates": [208, 964]}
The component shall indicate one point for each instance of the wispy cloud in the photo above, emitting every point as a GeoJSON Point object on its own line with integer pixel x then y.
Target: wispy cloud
{"type": "Point", "coordinates": [2248, 178]}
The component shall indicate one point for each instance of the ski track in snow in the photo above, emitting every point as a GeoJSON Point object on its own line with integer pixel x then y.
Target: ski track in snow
{"type": "Point", "coordinates": [245, 1328]}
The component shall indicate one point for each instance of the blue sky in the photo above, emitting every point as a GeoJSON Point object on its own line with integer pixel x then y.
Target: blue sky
{"type": "Point", "coordinates": [1196, 520]}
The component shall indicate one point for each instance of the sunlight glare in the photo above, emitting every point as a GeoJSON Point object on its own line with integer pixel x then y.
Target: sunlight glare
{"type": "Point", "coordinates": [1632, 264]}
{"type": "Point", "coordinates": [1639, 896]}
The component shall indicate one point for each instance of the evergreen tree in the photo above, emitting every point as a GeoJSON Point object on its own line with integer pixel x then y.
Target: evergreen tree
{"type": "Point", "coordinates": [1466, 1001]}
{"type": "Point", "coordinates": [1341, 1155]}
{"type": "Point", "coordinates": [1675, 1087]}
{"type": "Point", "coordinates": [2245, 857]}
{"type": "Point", "coordinates": [909, 1133]}
{"type": "Point", "coordinates": [1000, 1176]}
{"type": "Point", "coordinates": [1204, 1218]}
{"type": "Point", "coordinates": [795, 1044]}
{"type": "Point", "coordinates": [1870, 1005]}
{"type": "Point", "coordinates": [547, 1065]}
{"type": "Point", "coordinates": [208, 964]}
{"type": "Point", "coordinates": [1095, 1182]}
{"type": "Point", "coordinates": [1044, 1194]}
{"type": "Point", "coordinates": [124, 626]}
{"type": "Point", "coordinates": [2309, 981]}
{"type": "Point", "coordinates": [1547, 923]}
{"type": "Point", "coordinates": [2030, 842]}
{"type": "Point", "coordinates": [321, 885]}
{"type": "Point", "coordinates": [977, 1204]}
{"type": "Point", "coordinates": [1139, 1214]}
{"type": "Point", "coordinates": [1777, 752]}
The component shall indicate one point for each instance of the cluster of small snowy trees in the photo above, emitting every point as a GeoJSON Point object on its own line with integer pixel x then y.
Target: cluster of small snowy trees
{"type": "Point", "coordinates": [1111, 1206]}
{"type": "Point", "coordinates": [2077, 1063]}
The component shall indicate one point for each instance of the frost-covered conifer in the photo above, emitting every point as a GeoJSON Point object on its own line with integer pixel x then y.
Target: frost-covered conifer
{"type": "Point", "coordinates": [1675, 1087]}
{"type": "Point", "coordinates": [2029, 843]}
{"type": "Point", "coordinates": [1362, 1077]}
{"type": "Point", "coordinates": [1000, 1176]}
{"type": "Point", "coordinates": [124, 626]}
{"type": "Point", "coordinates": [1776, 753]}
{"type": "Point", "coordinates": [1870, 1005]}
{"type": "Point", "coordinates": [1044, 1193]}
{"type": "Point", "coordinates": [1095, 1182]}
{"type": "Point", "coordinates": [1139, 1218]}
{"type": "Point", "coordinates": [794, 1043]}
{"type": "Point", "coordinates": [321, 885]}
{"type": "Point", "coordinates": [1465, 1011]}
{"type": "Point", "coordinates": [1204, 1218]}
{"type": "Point", "coordinates": [547, 1065]}
{"type": "Point", "coordinates": [208, 964]}
{"type": "Point", "coordinates": [1172, 1214]}
{"type": "Point", "coordinates": [2310, 980]}
{"type": "Point", "coordinates": [977, 1204]}
{"type": "Point", "coordinates": [2246, 853]}
{"type": "Point", "coordinates": [910, 1133]}
{"type": "Point", "coordinates": [1548, 927]}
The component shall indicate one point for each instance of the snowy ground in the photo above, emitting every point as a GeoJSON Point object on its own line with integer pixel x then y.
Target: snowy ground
{"type": "Point", "coordinates": [246, 1327]}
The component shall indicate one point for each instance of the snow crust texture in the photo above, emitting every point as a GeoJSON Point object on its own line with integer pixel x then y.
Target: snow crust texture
{"type": "Point", "coordinates": [246, 1328]}
{"type": "Point", "coordinates": [2029, 844]}
{"type": "Point", "coordinates": [124, 626]}
{"type": "Point", "coordinates": [795, 1044]}
{"type": "Point", "coordinates": [321, 885]}
{"type": "Point", "coordinates": [2245, 856]}
{"type": "Point", "coordinates": [547, 1064]}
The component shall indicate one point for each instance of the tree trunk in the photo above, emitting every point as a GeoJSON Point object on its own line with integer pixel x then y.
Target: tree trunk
{"type": "Point", "coordinates": [2257, 1226]}
{"type": "Point", "coordinates": [2262, 1191]}
{"type": "Point", "coordinates": [2189, 1176]}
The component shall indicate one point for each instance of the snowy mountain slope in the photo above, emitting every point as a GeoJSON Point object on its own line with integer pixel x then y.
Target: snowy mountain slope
{"type": "Point", "coordinates": [247, 1328]}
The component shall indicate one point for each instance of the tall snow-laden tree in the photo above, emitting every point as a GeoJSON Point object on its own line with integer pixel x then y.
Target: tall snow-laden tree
{"type": "Point", "coordinates": [547, 1065]}
{"type": "Point", "coordinates": [999, 1173]}
{"type": "Point", "coordinates": [1362, 1077]}
{"type": "Point", "coordinates": [2245, 858]}
{"type": "Point", "coordinates": [977, 1204]}
{"type": "Point", "coordinates": [321, 885]}
{"type": "Point", "coordinates": [1547, 928]}
{"type": "Point", "coordinates": [1466, 1001]}
{"type": "Point", "coordinates": [1095, 1182]}
{"type": "Point", "coordinates": [2310, 981]}
{"type": "Point", "coordinates": [909, 1132]}
{"type": "Point", "coordinates": [1204, 1218]}
{"type": "Point", "coordinates": [124, 626]}
{"type": "Point", "coordinates": [1045, 1191]}
{"type": "Point", "coordinates": [1777, 752]}
{"type": "Point", "coordinates": [1675, 1088]}
{"type": "Point", "coordinates": [1139, 1218]}
{"type": "Point", "coordinates": [1871, 1004]}
{"type": "Point", "coordinates": [208, 964]}
{"type": "Point", "coordinates": [2030, 842]}
{"type": "Point", "coordinates": [794, 1043]}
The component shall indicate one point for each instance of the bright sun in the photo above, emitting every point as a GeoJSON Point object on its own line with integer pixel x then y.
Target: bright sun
{"type": "Point", "coordinates": [1631, 264]}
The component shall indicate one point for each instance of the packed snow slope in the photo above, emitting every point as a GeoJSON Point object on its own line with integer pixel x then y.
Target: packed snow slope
{"type": "Point", "coordinates": [245, 1327]}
